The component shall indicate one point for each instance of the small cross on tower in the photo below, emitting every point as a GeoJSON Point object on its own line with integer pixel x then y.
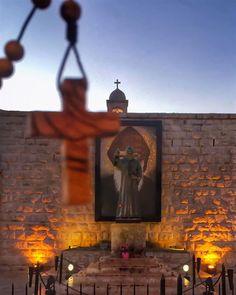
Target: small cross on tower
{"type": "Point", "coordinates": [117, 82]}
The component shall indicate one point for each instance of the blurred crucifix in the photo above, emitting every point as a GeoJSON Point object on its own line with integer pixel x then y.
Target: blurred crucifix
{"type": "Point", "coordinates": [74, 125]}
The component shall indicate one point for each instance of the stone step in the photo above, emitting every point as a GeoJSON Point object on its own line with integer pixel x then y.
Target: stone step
{"type": "Point", "coordinates": [129, 272]}
{"type": "Point", "coordinates": [124, 279]}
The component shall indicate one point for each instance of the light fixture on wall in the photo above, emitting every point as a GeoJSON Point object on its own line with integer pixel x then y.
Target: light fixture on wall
{"type": "Point", "coordinates": [70, 267]}
{"type": "Point", "coordinates": [70, 271]}
{"type": "Point", "coordinates": [211, 269]}
{"type": "Point", "coordinates": [187, 277]}
{"type": "Point", "coordinates": [185, 267]}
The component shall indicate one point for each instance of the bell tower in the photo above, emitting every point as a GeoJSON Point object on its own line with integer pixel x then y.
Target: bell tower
{"type": "Point", "coordinates": [117, 102]}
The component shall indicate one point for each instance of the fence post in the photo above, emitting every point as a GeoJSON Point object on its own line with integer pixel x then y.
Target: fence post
{"type": "Point", "coordinates": [134, 289]}
{"type": "Point", "coordinates": [40, 289]}
{"type": "Point", "coordinates": [56, 260]}
{"type": "Point", "coordinates": [209, 285]}
{"type": "Point", "coordinates": [94, 289]}
{"type": "Point", "coordinates": [31, 273]}
{"type": "Point", "coordinates": [26, 289]}
{"type": "Point", "coordinates": [147, 289]}
{"type": "Point", "coordinates": [67, 289]}
{"type": "Point", "coordinates": [121, 289]}
{"type": "Point", "coordinates": [231, 279]}
{"type": "Point", "coordinates": [179, 285]}
{"type": "Point", "coordinates": [36, 283]}
{"type": "Point", "coordinates": [60, 268]}
{"type": "Point", "coordinates": [198, 264]}
{"type": "Point", "coordinates": [223, 282]}
{"type": "Point", "coordinates": [80, 289]}
{"type": "Point", "coordinates": [12, 289]}
{"type": "Point", "coordinates": [194, 273]}
{"type": "Point", "coordinates": [108, 289]}
{"type": "Point", "coordinates": [162, 285]}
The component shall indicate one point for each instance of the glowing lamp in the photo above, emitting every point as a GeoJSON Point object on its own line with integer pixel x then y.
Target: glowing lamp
{"type": "Point", "coordinates": [186, 268]}
{"type": "Point", "coordinates": [70, 281]}
{"type": "Point", "coordinates": [186, 281]}
{"type": "Point", "coordinates": [70, 267]}
{"type": "Point", "coordinates": [211, 269]}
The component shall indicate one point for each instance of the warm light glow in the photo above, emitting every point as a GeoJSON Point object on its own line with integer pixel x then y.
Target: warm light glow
{"type": "Point", "coordinates": [211, 258]}
{"type": "Point", "coordinates": [176, 248]}
{"type": "Point", "coordinates": [38, 246]}
{"type": "Point", "coordinates": [117, 110]}
{"type": "Point", "coordinates": [70, 281]}
{"type": "Point", "coordinates": [211, 269]}
{"type": "Point", "coordinates": [67, 236]}
{"type": "Point", "coordinates": [42, 256]}
{"type": "Point", "coordinates": [186, 268]}
{"type": "Point", "coordinates": [40, 253]}
{"type": "Point", "coordinates": [186, 282]}
{"type": "Point", "coordinates": [70, 267]}
{"type": "Point", "coordinates": [211, 254]}
{"type": "Point", "coordinates": [38, 256]}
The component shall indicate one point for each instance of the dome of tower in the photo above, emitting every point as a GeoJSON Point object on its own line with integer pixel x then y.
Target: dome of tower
{"type": "Point", "coordinates": [117, 95]}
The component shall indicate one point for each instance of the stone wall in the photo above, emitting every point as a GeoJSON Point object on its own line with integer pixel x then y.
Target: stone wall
{"type": "Point", "coordinates": [198, 191]}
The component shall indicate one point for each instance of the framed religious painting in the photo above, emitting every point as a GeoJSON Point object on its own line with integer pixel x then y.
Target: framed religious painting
{"type": "Point", "coordinates": [128, 173]}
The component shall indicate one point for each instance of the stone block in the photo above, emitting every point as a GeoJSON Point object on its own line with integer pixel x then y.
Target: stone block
{"type": "Point", "coordinates": [133, 234]}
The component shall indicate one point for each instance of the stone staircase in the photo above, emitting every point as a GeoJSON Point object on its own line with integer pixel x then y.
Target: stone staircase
{"type": "Point", "coordinates": [110, 274]}
{"type": "Point", "coordinates": [116, 273]}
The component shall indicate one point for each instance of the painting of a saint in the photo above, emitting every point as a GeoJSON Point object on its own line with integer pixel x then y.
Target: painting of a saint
{"type": "Point", "coordinates": [128, 174]}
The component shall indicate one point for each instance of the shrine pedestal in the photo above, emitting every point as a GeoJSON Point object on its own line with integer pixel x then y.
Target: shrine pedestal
{"type": "Point", "coordinates": [133, 234]}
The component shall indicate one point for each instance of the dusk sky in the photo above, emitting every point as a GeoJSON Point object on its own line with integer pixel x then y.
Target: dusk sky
{"type": "Point", "coordinates": [170, 55]}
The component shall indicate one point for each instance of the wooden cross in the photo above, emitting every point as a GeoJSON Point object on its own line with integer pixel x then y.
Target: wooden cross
{"type": "Point", "coordinates": [74, 125]}
{"type": "Point", "coordinates": [117, 82]}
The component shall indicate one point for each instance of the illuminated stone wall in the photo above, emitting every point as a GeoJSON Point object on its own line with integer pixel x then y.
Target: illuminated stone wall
{"type": "Point", "coordinates": [198, 191]}
{"type": "Point", "coordinates": [29, 193]}
{"type": "Point", "coordinates": [199, 185]}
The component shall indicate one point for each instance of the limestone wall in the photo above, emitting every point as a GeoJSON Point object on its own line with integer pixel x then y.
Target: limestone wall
{"type": "Point", "coordinates": [198, 191]}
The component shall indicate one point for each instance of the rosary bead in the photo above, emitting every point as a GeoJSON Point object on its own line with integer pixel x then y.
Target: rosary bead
{"type": "Point", "coordinates": [41, 4]}
{"type": "Point", "coordinates": [70, 11]}
{"type": "Point", "coordinates": [6, 68]}
{"type": "Point", "coordinates": [14, 50]}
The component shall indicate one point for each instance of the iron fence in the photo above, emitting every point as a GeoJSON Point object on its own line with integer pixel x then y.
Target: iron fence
{"type": "Point", "coordinates": [223, 283]}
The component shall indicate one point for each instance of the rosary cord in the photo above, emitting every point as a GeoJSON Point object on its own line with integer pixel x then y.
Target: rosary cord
{"type": "Point", "coordinates": [62, 66]}
{"type": "Point", "coordinates": [71, 37]}
{"type": "Point", "coordinates": [80, 64]}
{"type": "Point", "coordinates": [29, 17]}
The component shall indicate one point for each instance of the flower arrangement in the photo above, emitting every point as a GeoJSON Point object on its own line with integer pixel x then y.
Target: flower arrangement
{"type": "Point", "coordinates": [124, 251]}
{"type": "Point", "coordinates": [127, 251]}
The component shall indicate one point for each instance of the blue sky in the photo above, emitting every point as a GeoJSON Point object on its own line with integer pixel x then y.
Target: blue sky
{"type": "Point", "coordinates": [170, 55]}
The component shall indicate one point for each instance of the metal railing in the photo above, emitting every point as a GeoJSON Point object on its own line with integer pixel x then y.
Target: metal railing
{"type": "Point", "coordinates": [223, 282]}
